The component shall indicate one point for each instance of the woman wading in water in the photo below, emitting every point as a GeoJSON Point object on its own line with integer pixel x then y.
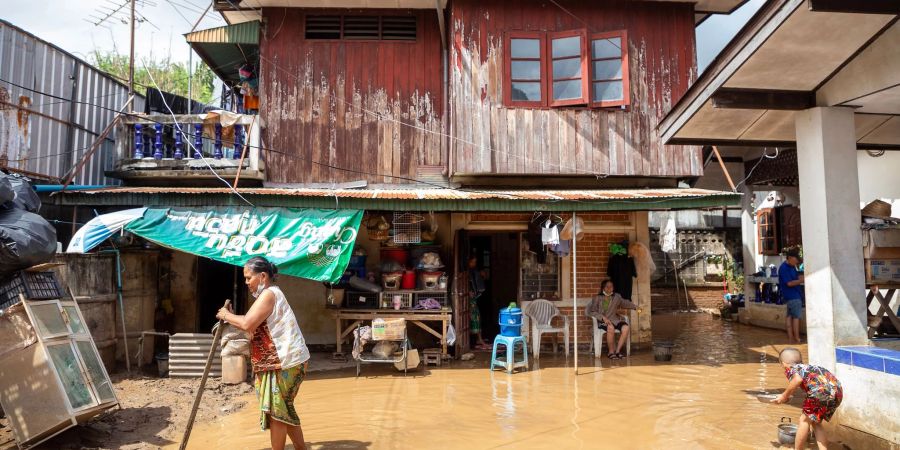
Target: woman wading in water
{"type": "Point", "coordinates": [278, 353]}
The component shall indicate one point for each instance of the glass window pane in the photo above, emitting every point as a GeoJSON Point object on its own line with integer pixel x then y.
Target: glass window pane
{"type": "Point", "coordinates": [69, 372]}
{"type": "Point", "coordinates": [567, 68]}
{"type": "Point", "coordinates": [525, 48]}
{"type": "Point", "coordinates": [95, 370]}
{"type": "Point", "coordinates": [526, 70]}
{"type": "Point", "coordinates": [606, 48]}
{"type": "Point", "coordinates": [607, 69]}
{"type": "Point", "coordinates": [566, 90]}
{"type": "Point", "coordinates": [526, 91]}
{"type": "Point", "coordinates": [607, 91]}
{"type": "Point", "coordinates": [75, 320]}
{"type": "Point", "coordinates": [49, 319]}
{"type": "Point", "coordinates": [570, 46]}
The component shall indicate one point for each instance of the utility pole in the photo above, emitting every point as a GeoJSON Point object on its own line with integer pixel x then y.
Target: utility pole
{"type": "Point", "coordinates": [191, 63]}
{"type": "Point", "coordinates": [131, 63]}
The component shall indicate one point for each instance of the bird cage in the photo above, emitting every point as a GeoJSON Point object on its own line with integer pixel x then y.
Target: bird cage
{"type": "Point", "coordinates": [407, 228]}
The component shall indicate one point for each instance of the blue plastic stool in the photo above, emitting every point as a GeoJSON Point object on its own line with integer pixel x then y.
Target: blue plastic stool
{"type": "Point", "coordinates": [509, 363]}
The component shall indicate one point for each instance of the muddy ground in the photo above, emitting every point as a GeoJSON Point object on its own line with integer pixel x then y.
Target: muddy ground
{"type": "Point", "coordinates": [154, 412]}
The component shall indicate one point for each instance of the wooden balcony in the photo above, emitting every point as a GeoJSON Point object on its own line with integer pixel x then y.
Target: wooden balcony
{"type": "Point", "coordinates": [188, 150]}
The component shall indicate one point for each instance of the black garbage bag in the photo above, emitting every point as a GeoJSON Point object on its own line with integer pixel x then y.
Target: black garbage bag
{"type": "Point", "coordinates": [24, 195]}
{"type": "Point", "coordinates": [7, 194]}
{"type": "Point", "coordinates": [26, 240]}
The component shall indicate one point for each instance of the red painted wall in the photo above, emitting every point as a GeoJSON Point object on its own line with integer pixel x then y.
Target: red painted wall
{"type": "Point", "coordinates": [573, 140]}
{"type": "Point", "coordinates": [362, 106]}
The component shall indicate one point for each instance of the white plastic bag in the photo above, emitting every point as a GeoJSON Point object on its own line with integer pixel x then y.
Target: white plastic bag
{"type": "Point", "coordinates": [451, 334]}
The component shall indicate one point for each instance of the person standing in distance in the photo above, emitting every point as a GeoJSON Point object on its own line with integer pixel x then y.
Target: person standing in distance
{"type": "Point", "coordinates": [790, 284]}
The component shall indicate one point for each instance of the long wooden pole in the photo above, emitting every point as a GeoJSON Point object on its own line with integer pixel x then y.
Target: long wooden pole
{"type": "Point", "coordinates": [575, 283]}
{"type": "Point", "coordinates": [724, 170]}
{"type": "Point", "coordinates": [209, 358]}
{"type": "Point", "coordinates": [96, 144]}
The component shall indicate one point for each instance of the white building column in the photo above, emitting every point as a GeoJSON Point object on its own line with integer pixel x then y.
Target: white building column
{"type": "Point", "coordinates": [832, 243]}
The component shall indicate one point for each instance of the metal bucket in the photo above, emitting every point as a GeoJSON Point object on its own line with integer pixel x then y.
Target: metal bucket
{"type": "Point", "coordinates": [787, 432]}
{"type": "Point", "coordinates": [662, 351]}
{"type": "Point", "coordinates": [162, 364]}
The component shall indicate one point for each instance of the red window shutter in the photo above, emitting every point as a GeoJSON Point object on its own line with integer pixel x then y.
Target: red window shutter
{"type": "Point", "coordinates": [524, 71]}
{"type": "Point", "coordinates": [603, 82]}
{"type": "Point", "coordinates": [567, 68]}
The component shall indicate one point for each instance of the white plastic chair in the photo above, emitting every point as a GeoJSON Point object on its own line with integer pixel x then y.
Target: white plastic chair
{"type": "Point", "coordinates": [599, 334]}
{"type": "Point", "coordinates": [541, 314]}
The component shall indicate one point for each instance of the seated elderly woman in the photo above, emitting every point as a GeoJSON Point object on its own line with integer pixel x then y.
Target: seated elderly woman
{"type": "Point", "coordinates": [605, 308]}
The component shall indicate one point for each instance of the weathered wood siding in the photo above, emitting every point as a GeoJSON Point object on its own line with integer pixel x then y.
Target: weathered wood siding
{"type": "Point", "coordinates": [336, 111]}
{"type": "Point", "coordinates": [494, 139]}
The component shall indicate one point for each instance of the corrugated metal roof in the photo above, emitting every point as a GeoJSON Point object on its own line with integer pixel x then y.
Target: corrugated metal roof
{"type": "Point", "coordinates": [410, 199]}
{"type": "Point", "coordinates": [242, 33]}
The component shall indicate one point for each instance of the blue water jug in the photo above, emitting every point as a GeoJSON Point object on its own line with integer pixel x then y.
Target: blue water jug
{"type": "Point", "coordinates": [511, 320]}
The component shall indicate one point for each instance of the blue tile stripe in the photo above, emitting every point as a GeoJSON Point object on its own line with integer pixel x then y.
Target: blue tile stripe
{"type": "Point", "coordinates": [872, 358]}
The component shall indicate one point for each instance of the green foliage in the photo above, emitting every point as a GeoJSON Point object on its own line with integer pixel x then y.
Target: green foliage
{"type": "Point", "coordinates": [171, 76]}
{"type": "Point", "coordinates": [731, 273]}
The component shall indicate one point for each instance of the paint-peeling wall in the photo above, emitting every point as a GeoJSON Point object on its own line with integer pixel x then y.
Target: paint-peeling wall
{"type": "Point", "coordinates": [492, 139]}
{"type": "Point", "coordinates": [337, 111]}
{"type": "Point", "coordinates": [47, 135]}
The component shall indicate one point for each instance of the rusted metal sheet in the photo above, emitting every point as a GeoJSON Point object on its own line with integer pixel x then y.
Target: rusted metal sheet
{"type": "Point", "coordinates": [580, 141]}
{"type": "Point", "coordinates": [339, 110]}
{"type": "Point", "coordinates": [41, 130]}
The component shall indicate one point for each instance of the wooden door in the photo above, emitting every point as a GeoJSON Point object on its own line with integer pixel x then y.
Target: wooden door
{"type": "Point", "coordinates": [461, 291]}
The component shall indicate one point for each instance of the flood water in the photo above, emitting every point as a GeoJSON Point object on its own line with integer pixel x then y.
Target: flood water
{"type": "Point", "coordinates": [704, 398]}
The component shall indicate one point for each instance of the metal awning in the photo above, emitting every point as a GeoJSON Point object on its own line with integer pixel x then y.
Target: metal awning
{"type": "Point", "coordinates": [791, 56]}
{"type": "Point", "coordinates": [225, 49]}
{"type": "Point", "coordinates": [460, 200]}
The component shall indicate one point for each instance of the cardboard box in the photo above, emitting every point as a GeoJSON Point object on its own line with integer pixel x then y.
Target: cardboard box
{"type": "Point", "coordinates": [885, 271]}
{"type": "Point", "coordinates": [388, 329]}
{"type": "Point", "coordinates": [881, 243]}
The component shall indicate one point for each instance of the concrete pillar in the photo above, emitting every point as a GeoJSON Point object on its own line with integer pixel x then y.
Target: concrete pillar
{"type": "Point", "coordinates": [748, 236]}
{"type": "Point", "coordinates": [832, 244]}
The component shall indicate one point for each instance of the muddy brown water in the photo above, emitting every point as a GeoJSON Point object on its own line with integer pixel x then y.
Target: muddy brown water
{"type": "Point", "coordinates": [704, 398]}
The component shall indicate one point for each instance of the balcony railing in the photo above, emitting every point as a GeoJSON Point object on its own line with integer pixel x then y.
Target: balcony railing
{"type": "Point", "coordinates": [190, 149]}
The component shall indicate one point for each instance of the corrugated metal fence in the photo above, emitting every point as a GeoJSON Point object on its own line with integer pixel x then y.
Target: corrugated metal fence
{"type": "Point", "coordinates": [48, 134]}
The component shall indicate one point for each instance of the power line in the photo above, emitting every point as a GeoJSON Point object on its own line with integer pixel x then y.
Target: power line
{"type": "Point", "coordinates": [362, 172]}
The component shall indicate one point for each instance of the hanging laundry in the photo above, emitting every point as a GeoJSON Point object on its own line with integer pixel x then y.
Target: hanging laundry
{"type": "Point", "coordinates": [668, 239]}
{"type": "Point", "coordinates": [535, 241]}
{"type": "Point", "coordinates": [621, 270]}
{"type": "Point", "coordinates": [564, 247]}
{"type": "Point", "coordinates": [549, 233]}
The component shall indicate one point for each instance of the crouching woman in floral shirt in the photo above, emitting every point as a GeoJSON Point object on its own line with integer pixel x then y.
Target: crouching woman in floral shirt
{"type": "Point", "coordinates": [278, 353]}
{"type": "Point", "coordinates": [823, 396]}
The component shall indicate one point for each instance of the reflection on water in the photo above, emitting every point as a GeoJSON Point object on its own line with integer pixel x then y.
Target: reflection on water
{"type": "Point", "coordinates": [704, 398]}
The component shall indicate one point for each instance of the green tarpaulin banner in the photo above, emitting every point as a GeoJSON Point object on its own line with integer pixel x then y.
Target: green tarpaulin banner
{"type": "Point", "coordinates": [309, 243]}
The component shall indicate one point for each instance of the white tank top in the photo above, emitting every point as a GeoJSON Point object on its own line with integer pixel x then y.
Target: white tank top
{"type": "Point", "coordinates": [282, 330]}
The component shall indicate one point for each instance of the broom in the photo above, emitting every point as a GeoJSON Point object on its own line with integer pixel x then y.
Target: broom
{"type": "Point", "coordinates": [190, 424]}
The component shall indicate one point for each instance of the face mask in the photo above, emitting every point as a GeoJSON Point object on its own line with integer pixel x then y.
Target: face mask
{"type": "Point", "coordinates": [259, 290]}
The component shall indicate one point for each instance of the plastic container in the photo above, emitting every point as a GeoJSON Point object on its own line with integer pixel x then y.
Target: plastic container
{"type": "Point", "coordinates": [399, 255]}
{"type": "Point", "coordinates": [409, 280]}
{"type": "Point", "coordinates": [662, 351]}
{"type": "Point", "coordinates": [357, 261]}
{"type": "Point", "coordinates": [162, 364]}
{"type": "Point", "coordinates": [511, 321]}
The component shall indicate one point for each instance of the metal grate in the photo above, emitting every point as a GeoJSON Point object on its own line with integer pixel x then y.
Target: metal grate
{"type": "Point", "coordinates": [370, 28]}
{"type": "Point", "coordinates": [407, 228]}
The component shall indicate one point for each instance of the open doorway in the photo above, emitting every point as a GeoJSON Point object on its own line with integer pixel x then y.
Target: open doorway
{"type": "Point", "coordinates": [217, 282]}
{"type": "Point", "coordinates": [497, 259]}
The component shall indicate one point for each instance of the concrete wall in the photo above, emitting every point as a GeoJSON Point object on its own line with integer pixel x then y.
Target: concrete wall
{"type": "Point", "coordinates": [183, 291]}
{"type": "Point", "coordinates": [768, 315]}
{"type": "Point", "coordinates": [307, 298]}
{"type": "Point", "coordinates": [870, 406]}
{"type": "Point", "coordinates": [879, 178]}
